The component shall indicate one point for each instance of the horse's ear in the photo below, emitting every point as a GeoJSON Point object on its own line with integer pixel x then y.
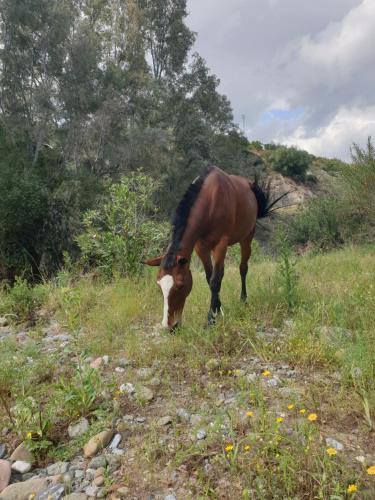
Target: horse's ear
{"type": "Point", "coordinates": [153, 262]}
{"type": "Point", "coordinates": [181, 261]}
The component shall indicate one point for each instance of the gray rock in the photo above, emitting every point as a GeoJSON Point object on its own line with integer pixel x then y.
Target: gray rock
{"type": "Point", "coordinates": [3, 450]}
{"type": "Point", "coordinates": [251, 377]}
{"type": "Point", "coordinates": [119, 369]}
{"type": "Point", "coordinates": [20, 466]}
{"type": "Point", "coordinates": [115, 442]}
{"type": "Point", "coordinates": [23, 490]}
{"type": "Point", "coordinates": [77, 429]}
{"type": "Point", "coordinates": [195, 419]}
{"type": "Point", "coordinates": [91, 491]}
{"type": "Point", "coordinates": [79, 474]}
{"type": "Point", "coordinates": [5, 472]}
{"type": "Point", "coordinates": [273, 382]}
{"type": "Point", "coordinates": [182, 414]}
{"type": "Point", "coordinates": [127, 388]}
{"type": "Point", "coordinates": [170, 497]}
{"type": "Point", "coordinates": [90, 474]}
{"type": "Point", "coordinates": [97, 462]}
{"type": "Point", "coordinates": [334, 444]}
{"type": "Point", "coordinates": [55, 492]}
{"type": "Point", "coordinates": [123, 492]}
{"type": "Point", "coordinates": [57, 338]}
{"type": "Point", "coordinates": [140, 420]}
{"type": "Point", "coordinates": [57, 468]}
{"type": "Point", "coordinates": [201, 434]}
{"type": "Point", "coordinates": [106, 359]}
{"type": "Point", "coordinates": [101, 493]}
{"type": "Point", "coordinates": [76, 496]}
{"type": "Point", "coordinates": [144, 373]}
{"type": "Point", "coordinates": [164, 421]}
{"type": "Point", "coordinates": [123, 362]}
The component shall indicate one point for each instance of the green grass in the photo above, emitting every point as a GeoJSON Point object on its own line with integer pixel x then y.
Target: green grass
{"type": "Point", "coordinates": [327, 333]}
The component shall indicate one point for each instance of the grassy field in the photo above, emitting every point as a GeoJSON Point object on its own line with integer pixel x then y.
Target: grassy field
{"type": "Point", "coordinates": [263, 388]}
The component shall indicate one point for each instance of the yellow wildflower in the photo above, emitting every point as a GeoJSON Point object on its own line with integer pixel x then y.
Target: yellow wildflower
{"type": "Point", "coordinates": [247, 447]}
{"type": "Point", "coordinates": [229, 448]}
{"type": "Point", "coordinates": [29, 435]}
{"type": "Point", "coordinates": [290, 407]}
{"type": "Point", "coordinates": [371, 470]}
{"type": "Point", "coordinates": [352, 488]}
{"type": "Point", "coordinates": [312, 417]}
{"type": "Point", "coordinates": [249, 413]}
{"type": "Point", "coordinates": [302, 411]}
{"type": "Point", "coordinates": [237, 372]}
{"type": "Point", "coordinates": [266, 373]}
{"type": "Point", "coordinates": [279, 420]}
{"type": "Point", "coordinates": [229, 372]}
{"type": "Point", "coordinates": [331, 452]}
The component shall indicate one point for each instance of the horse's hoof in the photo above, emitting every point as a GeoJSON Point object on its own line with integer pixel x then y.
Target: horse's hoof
{"type": "Point", "coordinates": [211, 318]}
{"type": "Point", "coordinates": [244, 299]}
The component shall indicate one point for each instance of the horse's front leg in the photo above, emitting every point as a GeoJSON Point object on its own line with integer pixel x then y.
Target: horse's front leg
{"type": "Point", "coordinates": [218, 256]}
{"type": "Point", "coordinates": [245, 256]}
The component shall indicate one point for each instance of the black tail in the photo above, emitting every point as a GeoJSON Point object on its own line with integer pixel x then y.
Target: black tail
{"type": "Point", "coordinates": [262, 193]}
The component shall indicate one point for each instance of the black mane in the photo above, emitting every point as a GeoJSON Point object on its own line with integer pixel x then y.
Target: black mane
{"type": "Point", "coordinates": [181, 217]}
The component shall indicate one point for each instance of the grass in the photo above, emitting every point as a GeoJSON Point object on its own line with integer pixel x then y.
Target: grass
{"type": "Point", "coordinates": [324, 337]}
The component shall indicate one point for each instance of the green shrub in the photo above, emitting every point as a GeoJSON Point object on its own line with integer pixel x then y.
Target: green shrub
{"type": "Point", "coordinates": [121, 233]}
{"type": "Point", "coordinates": [291, 162]}
{"type": "Point", "coordinates": [22, 300]}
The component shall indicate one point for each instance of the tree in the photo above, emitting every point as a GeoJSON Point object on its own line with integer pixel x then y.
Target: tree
{"type": "Point", "coordinates": [291, 162]}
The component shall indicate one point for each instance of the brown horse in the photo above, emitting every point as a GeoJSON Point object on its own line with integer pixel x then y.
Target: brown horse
{"type": "Point", "coordinates": [217, 210]}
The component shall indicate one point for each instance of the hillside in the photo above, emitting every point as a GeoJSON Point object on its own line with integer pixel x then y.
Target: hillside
{"type": "Point", "coordinates": [272, 402]}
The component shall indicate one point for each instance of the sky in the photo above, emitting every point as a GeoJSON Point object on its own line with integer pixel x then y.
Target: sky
{"type": "Point", "coordinates": [301, 72]}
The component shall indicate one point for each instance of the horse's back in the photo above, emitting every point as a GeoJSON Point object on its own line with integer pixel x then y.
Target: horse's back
{"type": "Point", "coordinates": [230, 207]}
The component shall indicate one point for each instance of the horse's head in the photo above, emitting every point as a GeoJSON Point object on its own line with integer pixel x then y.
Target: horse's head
{"type": "Point", "coordinates": [175, 282]}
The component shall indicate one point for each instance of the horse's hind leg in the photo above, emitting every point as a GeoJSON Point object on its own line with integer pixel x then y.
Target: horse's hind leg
{"type": "Point", "coordinates": [245, 256]}
{"type": "Point", "coordinates": [218, 255]}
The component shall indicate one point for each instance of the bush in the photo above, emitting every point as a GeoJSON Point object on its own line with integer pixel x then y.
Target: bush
{"type": "Point", "coordinates": [291, 162]}
{"type": "Point", "coordinates": [121, 233]}
{"type": "Point", "coordinates": [22, 300]}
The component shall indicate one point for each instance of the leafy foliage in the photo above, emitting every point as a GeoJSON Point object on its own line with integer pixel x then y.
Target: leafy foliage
{"type": "Point", "coordinates": [291, 162]}
{"type": "Point", "coordinates": [121, 233]}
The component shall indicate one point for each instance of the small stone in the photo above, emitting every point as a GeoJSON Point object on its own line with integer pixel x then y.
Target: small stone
{"type": "Point", "coordinates": [99, 472]}
{"type": "Point", "coordinates": [361, 459]}
{"type": "Point", "coordinates": [251, 377]}
{"type": "Point", "coordinates": [96, 364]}
{"type": "Point", "coordinates": [140, 420]}
{"type": "Point", "coordinates": [101, 493]}
{"type": "Point", "coordinates": [22, 453]}
{"type": "Point", "coordinates": [106, 359]}
{"type": "Point", "coordinates": [91, 491]}
{"type": "Point", "coordinates": [127, 388]}
{"type": "Point", "coordinates": [5, 472]}
{"type": "Point", "coordinates": [3, 450]}
{"type": "Point", "coordinates": [123, 492]}
{"type": "Point", "coordinates": [99, 481]}
{"type": "Point", "coordinates": [20, 466]}
{"type": "Point", "coordinates": [123, 362]}
{"type": "Point", "coordinates": [145, 394]}
{"type": "Point", "coordinates": [24, 490]}
{"type": "Point", "coordinates": [119, 452]}
{"type": "Point", "coordinates": [76, 496]}
{"type": "Point", "coordinates": [201, 434]}
{"type": "Point", "coordinates": [170, 497]}
{"type": "Point", "coordinates": [144, 373]}
{"type": "Point", "coordinates": [334, 444]}
{"type": "Point", "coordinates": [55, 492]}
{"type": "Point", "coordinates": [97, 443]}
{"type": "Point", "coordinates": [115, 442]}
{"type": "Point", "coordinates": [97, 462]}
{"type": "Point", "coordinates": [114, 461]}
{"type": "Point", "coordinates": [273, 382]}
{"type": "Point", "coordinates": [182, 414]}
{"type": "Point", "coordinates": [90, 474]}
{"type": "Point", "coordinates": [57, 468]}
{"type": "Point", "coordinates": [164, 421]}
{"type": "Point", "coordinates": [78, 474]}
{"type": "Point", "coordinates": [78, 428]}
{"type": "Point", "coordinates": [155, 382]}
{"type": "Point", "coordinates": [119, 369]}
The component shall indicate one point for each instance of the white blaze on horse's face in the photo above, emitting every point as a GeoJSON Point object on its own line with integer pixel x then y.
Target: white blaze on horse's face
{"type": "Point", "coordinates": [166, 283]}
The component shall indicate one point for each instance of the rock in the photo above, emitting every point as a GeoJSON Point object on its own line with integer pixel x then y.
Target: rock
{"type": "Point", "coordinates": [334, 444]}
{"type": "Point", "coordinates": [115, 442]}
{"type": "Point", "coordinates": [97, 363]}
{"type": "Point", "coordinates": [97, 462]}
{"type": "Point", "coordinates": [251, 377]}
{"type": "Point", "coordinates": [55, 492]}
{"type": "Point", "coordinates": [97, 443]}
{"type": "Point", "coordinates": [78, 474]}
{"type": "Point", "coordinates": [239, 373]}
{"type": "Point", "coordinates": [201, 434]}
{"type": "Point", "coordinates": [170, 497]}
{"type": "Point", "coordinates": [182, 414]}
{"type": "Point", "coordinates": [90, 474]}
{"type": "Point", "coordinates": [76, 496]}
{"type": "Point", "coordinates": [91, 491]}
{"type": "Point", "coordinates": [99, 481]}
{"type": "Point", "coordinates": [119, 369]}
{"type": "Point", "coordinates": [123, 362]}
{"type": "Point", "coordinates": [155, 382]}
{"type": "Point", "coordinates": [102, 493]}
{"type": "Point", "coordinates": [77, 429]}
{"type": "Point", "coordinates": [164, 421]}
{"type": "Point", "coordinates": [22, 453]}
{"type": "Point", "coordinates": [58, 468]}
{"type": "Point", "coordinates": [273, 382]}
{"type": "Point", "coordinates": [5, 472]}
{"type": "Point", "coordinates": [24, 490]}
{"type": "Point", "coordinates": [123, 492]}
{"type": "Point", "coordinates": [20, 466]}
{"type": "Point", "coordinates": [114, 461]}
{"type": "Point", "coordinates": [3, 450]}
{"type": "Point", "coordinates": [127, 388]}
{"type": "Point", "coordinates": [106, 359]}
{"type": "Point", "coordinates": [145, 394]}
